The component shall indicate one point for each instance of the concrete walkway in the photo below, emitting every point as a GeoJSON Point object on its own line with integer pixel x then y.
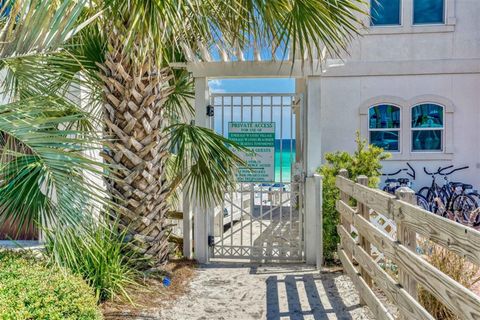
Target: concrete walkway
{"type": "Point", "coordinates": [242, 292]}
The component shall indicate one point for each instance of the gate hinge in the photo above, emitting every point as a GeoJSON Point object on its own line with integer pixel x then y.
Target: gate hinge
{"type": "Point", "coordinates": [210, 111]}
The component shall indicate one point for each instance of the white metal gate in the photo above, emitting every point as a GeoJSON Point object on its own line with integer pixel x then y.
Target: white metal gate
{"type": "Point", "coordinates": [261, 221]}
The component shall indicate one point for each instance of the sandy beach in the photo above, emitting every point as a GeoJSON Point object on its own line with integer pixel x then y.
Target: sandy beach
{"type": "Point", "coordinates": [243, 292]}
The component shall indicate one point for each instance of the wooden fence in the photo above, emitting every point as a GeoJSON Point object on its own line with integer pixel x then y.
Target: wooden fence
{"type": "Point", "coordinates": [413, 269]}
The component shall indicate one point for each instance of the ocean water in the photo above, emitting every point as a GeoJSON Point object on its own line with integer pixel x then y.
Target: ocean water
{"type": "Point", "coordinates": [284, 157]}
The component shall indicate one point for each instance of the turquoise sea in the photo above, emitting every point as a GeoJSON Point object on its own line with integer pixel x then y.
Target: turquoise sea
{"type": "Point", "coordinates": [284, 157]}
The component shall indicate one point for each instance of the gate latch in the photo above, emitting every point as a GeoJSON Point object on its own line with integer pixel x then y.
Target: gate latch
{"type": "Point", "coordinates": [210, 111]}
{"type": "Point", "coordinates": [211, 241]}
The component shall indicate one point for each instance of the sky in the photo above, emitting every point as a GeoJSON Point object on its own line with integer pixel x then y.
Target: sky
{"type": "Point", "coordinates": [276, 85]}
{"type": "Point", "coordinates": [267, 85]}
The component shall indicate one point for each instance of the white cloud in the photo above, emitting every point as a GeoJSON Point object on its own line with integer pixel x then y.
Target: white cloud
{"type": "Point", "coordinates": [216, 86]}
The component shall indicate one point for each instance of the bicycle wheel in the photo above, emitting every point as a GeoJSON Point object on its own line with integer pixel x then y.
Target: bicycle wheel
{"type": "Point", "coordinates": [424, 192]}
{"type": "Point", "coordinates": [437, 202]}
{"type": "Point", "coordinates": [465, 205]}
{"type": "Point", "coordinates": [475, 196]}
{"type": "Point", "coordinates": [422, 202]}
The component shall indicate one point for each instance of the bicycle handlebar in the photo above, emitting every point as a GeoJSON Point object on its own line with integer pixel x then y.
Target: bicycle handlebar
{"type": "Point", "coordinates": [393, 173]}
{"type": "Point", "coordinates": [455, 170]}
{"type": "Point", "coordinates": [429, 173]}
{"type": "Point", "coordinates": [443, 169]}
{"type": "Point", "coordinates": [439, 170]}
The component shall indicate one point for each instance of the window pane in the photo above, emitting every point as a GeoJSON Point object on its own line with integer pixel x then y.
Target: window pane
{"type": "Point", "coordinates": [385, 12]}
{"type": "Point", "coordinates": [427, 140]}
{"type": "Point", "coordinates": [427, 116]}
{"type": "Point", "coordinates": [388, 140]}
{"type": "Point", "coordinates": [428, 11]}
{"type": "Point", "coordinates": [384, 117]}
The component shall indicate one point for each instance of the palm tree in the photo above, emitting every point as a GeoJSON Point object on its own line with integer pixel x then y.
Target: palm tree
{"type": "Point", "coordinates": [43, 133]}
{"type": "Point", "coordinates": [138, 38]}
{"type": "Point", "coordinates": [122, 59]}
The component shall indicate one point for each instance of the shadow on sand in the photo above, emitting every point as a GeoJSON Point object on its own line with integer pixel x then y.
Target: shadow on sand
{"type": "Point", "coordinates": [319, 306]}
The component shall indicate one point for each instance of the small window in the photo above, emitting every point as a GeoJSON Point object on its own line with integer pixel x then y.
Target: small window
{"type": "Point", "coordinates": [384, 127]}
{"type": "Point", "coordinates": [427, 127]}
{"type": "Point", "coordinates": [428, 11]}
{"type": "Point", "coordinates": [385, 12]}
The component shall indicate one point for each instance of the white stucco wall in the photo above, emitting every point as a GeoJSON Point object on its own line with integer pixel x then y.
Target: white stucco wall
{"type": "Point", "coordinates": [407, 63]}
{"type": "Point", "coordinates": [341, 98]}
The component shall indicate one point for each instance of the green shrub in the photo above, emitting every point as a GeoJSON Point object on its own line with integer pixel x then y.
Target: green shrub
{"type": "Point", "coordinates": [364, 161]}
{"type": "Point", "coordinates": [31, 290]}
{"type": "Point", "coordinates": [98, 253]}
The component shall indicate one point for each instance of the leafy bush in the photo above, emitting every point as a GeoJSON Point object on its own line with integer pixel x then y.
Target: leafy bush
{"type": "Point", "coordinates": [457, 268]}
{"type": "Point", "coordinates": [31, 290]}
{"type": "Point", "coordinates": [364, 161]}
{"type": "Point", "coordinates": [97, 252]}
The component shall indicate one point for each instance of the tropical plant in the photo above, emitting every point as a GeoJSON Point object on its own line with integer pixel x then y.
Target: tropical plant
{"type": "Point", "coordinates": [139, 39]}
{"type": "Point", "coordinates": [44, 135]}
{"type": "Point", "coordinates": [97, 252]}
{"type": "Point", "coordinates": [122, 60]}
{"type": "Point", "coordinates": [364, 161]}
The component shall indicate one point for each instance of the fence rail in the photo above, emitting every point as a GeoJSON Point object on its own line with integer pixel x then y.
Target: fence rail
{"type": "Point", "coordinates": [413, 270]}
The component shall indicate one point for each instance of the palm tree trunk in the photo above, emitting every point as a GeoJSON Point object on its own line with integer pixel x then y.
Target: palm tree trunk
{"type": "Point", "coordinates": [134, 96]}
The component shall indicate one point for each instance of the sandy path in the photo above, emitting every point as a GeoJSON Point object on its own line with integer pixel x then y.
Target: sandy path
{"type": "Point", "coordinates": [241, 292]}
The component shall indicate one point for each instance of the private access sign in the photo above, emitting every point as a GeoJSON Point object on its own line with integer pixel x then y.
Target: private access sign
{"type": "Point", "coordinates": [259, 137]}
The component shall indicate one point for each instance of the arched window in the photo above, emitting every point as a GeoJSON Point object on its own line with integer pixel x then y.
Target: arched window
{"type": "Point", "coordinates": [427, 127]}
{"type": "Point", "coordinates": [384, 127]}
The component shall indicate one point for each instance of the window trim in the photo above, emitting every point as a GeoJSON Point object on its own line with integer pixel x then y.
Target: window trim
{"type": "Point", "coordinates": [405, 124]}
{"type": "Point", "coordinates": [412, 129]}
{"type": "Point", "coordinates": [407, 26]}
{"type": "Point", "coordinates": [399, 129]}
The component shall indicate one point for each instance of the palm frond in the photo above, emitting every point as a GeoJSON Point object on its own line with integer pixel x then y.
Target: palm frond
{"type": "Point", "coordinates": [38, 26]}
{"type": "Point", "coordinates": [205, 163]}
{"type": "Point", "coordinates": [46, 174]}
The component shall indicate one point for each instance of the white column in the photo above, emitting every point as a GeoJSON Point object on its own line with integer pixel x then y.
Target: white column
{"type": "Point", "coordinates": [313, 125]}
{"type": "Point", "coordinates": [200, 214]}
{"type": "Point", "coordinates": [313, 221]}
{"type": "Point", "coordinates": [319, 220]}
{"type": "Point", "coordinates": [310, 222]}
{"type": "Point", "coordinates": [313, 159]}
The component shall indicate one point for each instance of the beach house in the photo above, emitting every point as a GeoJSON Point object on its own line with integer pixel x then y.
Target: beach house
{"type": "Point", "coordinates": [409, 84]}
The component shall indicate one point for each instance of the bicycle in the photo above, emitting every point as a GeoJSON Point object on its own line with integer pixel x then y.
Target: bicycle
{"type": "Point", "coordinates": [451, 200]}
{"type": "Point", "coordinates": [392, 184]}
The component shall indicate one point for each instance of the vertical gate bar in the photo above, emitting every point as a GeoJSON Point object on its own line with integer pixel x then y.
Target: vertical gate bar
{"type": "Point", "coordinates": [291, 159]}
{"type": "Point", "coordinates": [241, 184]}
{"type": "Point", "coordinates": [231, 198]}
{"type": "Point", "coordinates": [252, 195]}
{"type": "Point", "coordinates": [301, 184]}
{"type": "Point", "coordinates": [261, 185]}
{"type": "Point", "coordinates": [224, 207]}
{"type": "Point", "coordinates": [270, 189]}
{"type": "Point", "coordinates": [281, 164]}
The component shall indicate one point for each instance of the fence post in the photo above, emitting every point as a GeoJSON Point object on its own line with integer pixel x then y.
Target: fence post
{"type": "Point", "coordinates": [364, 211]}
{"type": "Point", "coordinates": [319, 220]}
{"type": "Point", "coordinates": [345, 198]}
{"type": "Point", "coordinates": [310, 236]}
{"type": "Point", "coordinates": [187, 227]}
{"type": "Point", "coordinates": [407, 238]}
